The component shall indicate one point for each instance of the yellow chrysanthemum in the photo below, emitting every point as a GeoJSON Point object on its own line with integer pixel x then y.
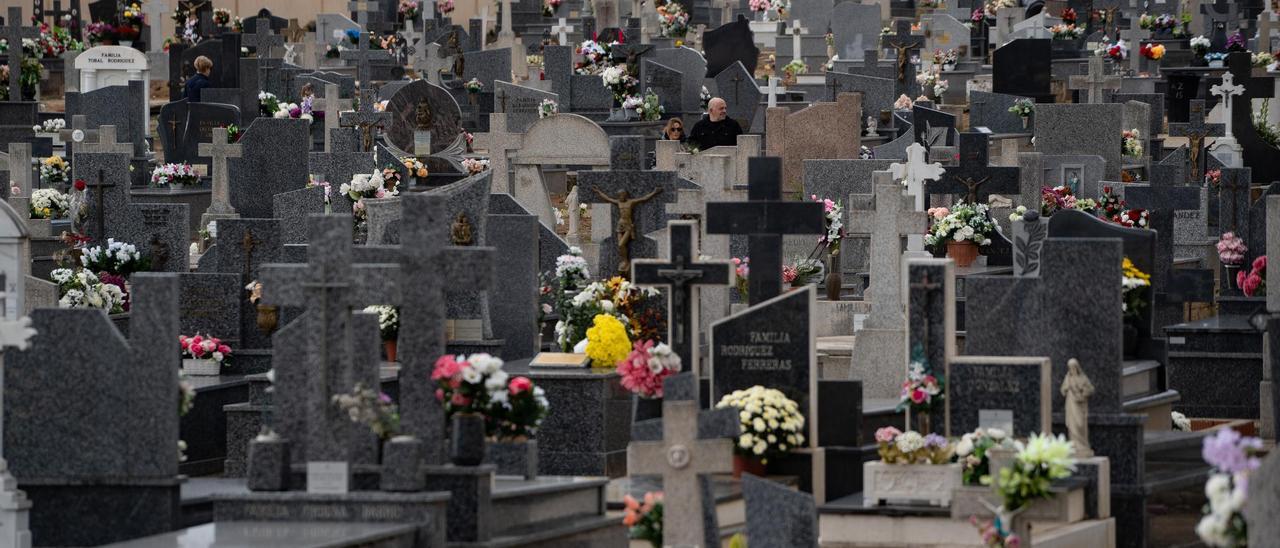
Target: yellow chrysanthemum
{"type": "Point", "coordinates": [607, 342]}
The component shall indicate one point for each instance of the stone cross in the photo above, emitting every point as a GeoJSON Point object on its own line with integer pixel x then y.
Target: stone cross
{"type": "Point", "coordinates": [100, 186]}
{"type": "Point", "coordinates": [1135, 37]}
{"type": "Point", "coordinates": [362, 54]}
{"type": "Point", "coordinates": [411, 36]}
{"type": "Point", "coordinates": [1006, 18]}
{"type": "Point", "coordinates": [366, 118]}
{"type": "Point", "coordinates": [915, 172]}
{"type": "Point", "coordinates": [930, 291]}
{"type": "Point", "coordinates": [796, 31]}
{"type": "Point", "coordinates": [1225, 91]}
{"type": "Point", "coordinates": [764, 219]}
{"type": "Point", "coordinates": [726, 10]}
{"type": "Point", "coordinates": [682, 275]}
{"type": "Point", "coordinates": [680, 458]}
{"type": "Point", "coordinates": [332, 105]}
{"type": "Point", "coordinates": [1096, 81]}
{"type": "Point", "coordinates": [1266, 22]}
{"type": "Point", "coordinates": [500, 143]}
{"type": "Point", "coordinates": [507, 35]}
{"type": "Point", "coordinates": [106, 143]}
{"type": "Point", "coordinates": [562, 29]}
{"type": "Point", "coordinates": [485, 18]}
{"type": "Point", "coordinates": [772, 89]}
{"type": "Point", "coordinates": [1241, 112]}
{"type": "Point", "coordinates": [218, 151]}
{"type": "Point", "coordinates": [1233, 188]}
{"type": "Point", "coordinates": [1221, 13]}
{"type": "Point", "coordinates": [974, 177]}
{"type": "Point", "coordinates": [430, 64]}
{"type": "Point", "coordinates": [903, 42]}
{"type": "Point", "coordinates": [20, 167]}
{"type": "Point", "coordinates": [893, 218]}
{"type": "Point", "coordinates": [14, 32]}
{"type": "Point", "coordinates": [78, 132]}
{"type": "Point", "coordinates": [1196, 130]}
{"type": "Point", "coordinates": [156, 11]}
{"type": "Point", "coordinates": [263, 39]}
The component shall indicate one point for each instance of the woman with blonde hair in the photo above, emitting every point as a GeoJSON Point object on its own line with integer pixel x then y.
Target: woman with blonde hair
{"type": "Point", "coordinates": [674, 130]}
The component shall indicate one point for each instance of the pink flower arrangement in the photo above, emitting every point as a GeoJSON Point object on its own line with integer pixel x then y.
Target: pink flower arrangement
{"type": "Point", "coordinates": [646, 366]}
{"type": "Point", "coordinates": [887, 434]}
{"type": "Point", "coordinates": [201, 347]}
{"type": "Point", "coordinates": [1231, 249]}
{"type": "Point", "coordinates": [512, 406]}
{"type": "Point", "coordinates": [1213, 176]}
{"type": "Point", "coordinates": [789, 273]}
{"type": "Point", "coordinates": [1254, 282]}
{"type": "Point", "coordinates": [938, 213]}
{"type": "Point", "coordinates": [760, 5]}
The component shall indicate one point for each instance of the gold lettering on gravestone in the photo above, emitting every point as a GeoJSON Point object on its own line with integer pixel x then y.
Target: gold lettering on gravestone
{"type": "Point", "coordinates": [759, 354]}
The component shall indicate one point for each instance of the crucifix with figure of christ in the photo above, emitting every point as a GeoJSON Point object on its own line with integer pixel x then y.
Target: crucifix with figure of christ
{"type": "Point", "coordinates": [1195, 130]}
{"type": "Point", "coordinates": [903, 42]}
{"type": "Point", "coordinates": [682, 275]}
{"type": "Point", "coordinates": [974, 177]}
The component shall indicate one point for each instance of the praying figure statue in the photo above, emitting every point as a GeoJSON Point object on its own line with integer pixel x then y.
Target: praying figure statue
{"type": "Point", "coordinates": [1076, 388]}
{"type": "Point", "coordinates": [626, 230]}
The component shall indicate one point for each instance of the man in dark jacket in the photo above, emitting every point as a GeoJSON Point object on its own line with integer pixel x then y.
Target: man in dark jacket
{"type": "Point", "coordinates": [198, 81]}
{"type": "Point", "coordinates": [717, 129]}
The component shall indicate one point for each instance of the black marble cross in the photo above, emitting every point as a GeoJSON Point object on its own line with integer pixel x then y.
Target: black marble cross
{"type": "Point", "coordinates": [764, 219]}
{"type": "Point", "coordinates": [682, 275]}
{"type": "Point", "coordinates": [1195, 130]}
{"type": "Point", "coordinates": [903, 42]}
{"type": "Point", "coordinates": [99, 187]}
{"type": "Point", "coordinates": [1257, 154]}
{"type": "Point", "coordinates": [974, 177]}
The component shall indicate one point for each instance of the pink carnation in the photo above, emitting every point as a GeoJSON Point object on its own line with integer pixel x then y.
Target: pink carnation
{"type": "Point", "coordinates": [519, 384]}
{"type": "Point", "coordinates": [636, 374]}
{"type": "Point", "coordinates": [887, 434]}
{"type": "Point", "coordinates": [446, 368]}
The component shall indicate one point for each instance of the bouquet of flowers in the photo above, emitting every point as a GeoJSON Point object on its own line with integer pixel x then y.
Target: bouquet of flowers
{"type": "Point", "coordinates": [931, 81]}
{"type": "Point", "coordinates": [80, 288]}
{"type": "Point", "coordinates": [416, 167]}
{"type": "Point", "coordinates": [595, 57]}
{"type": "Point", "coordinates": [1118, 51]}
{"type": "Point", "coordinates": [373, 409]}
{"type": "Point", "coordinates": [296, 111]}
{"type": "Point", "coordinates": [445, 7]}
{"type": "Point", "coordinates": [1200, 45]}
{"type": "Point", "coordinates": [903, 103]}
{"type": "Point", "coordinates": [1065, 31]}
{"type": "Point", "coordinates": [1060, 197]}
{"type": "Point", "coordinates": [1211, 57]}
{"type": "Point", "coordinates": [910, 447]}
{"type": "Point", "coordinates": [1110, 204]}
{"type": "Point", "coordinates": [801, 272]}
{"type": "Point", "coordinates": [1132, 218]}
{"type": "Point", "coordinates": [408, 9]}
{"type": "Point", "coordinates": [616, 297]}
{"type": "Point", "coordinates": [772, 425]}
{"type": "Point", "coordinates": [1254, 282]}
{"type": "Point", "coordinates": [176, 175]}
{"type": "Point", "coordinates": [268, 103]}
{"type": "Point", "coordinates": [794, 68]}
{"type": "Point", "coordinates": [1180, 422]}
{"type": "Point", "coordinates": [1023, 108]}
{"type": "Point", "coordinates": [548, 107]}
{"type": "Point", "coordinates": [990, 6]}
{"type": "Point", "coordinates": [1134, 284]}
{"type": "Point", "coordinates": [946, 56]}
{"type": "Point", "coordinates": [52, 125]}
{"type": "Point", "coordinates": [971, 451]}
{"type": "Point", "coordinates": [221, 17]}
{"type": "Point", "coordinates": [512, 406]}
{"type": "Point", "coordinates": [673, 21]}
{"type": "Point", "coordinates": [1038, 463]}
{"type": "Point", "coordinates": [1069, 16]}
{"type": "Point", "coordinates": [646, 366]}
{"type": "Point", "coordinates": [1262, 59]}
{"type": "Point", "coordinates": [119, 258]}
{"type": "Point", "coordinates": [1237, 42]}
{"type": "Point", "coordinates": [1233, 457]}
{"type": "Point", "coordinates": [388, 320]}
{"type": "Point", "coordinates": [475, 166]}
{"type": "Point", "coordinates": [760, 5]}
{"type": "Point", "coordinates": [922, 390]}
{"type": "Point", "coordinates": [367, 185]}
{"type": "Point", "coordinates": [97, 32]}
{"type": "Point", "coordinates": [1231, 249]}
{"type": "Point", "coordinates": [54, 171]}
{"type": "Point", "coordinates": [834, 214]}
{"type": "Point", "coordinates": [607, 341]}
{"type": "Point", "coordinates": [1132, 146]}
{"type": "Point", "coordinates": [704, 98]}
{"type": "Point", "coordinates": [206, 347]}
{"type": "Point", "coordinates": [473, 86]}
{"type": "Point", "coordinates": [741, 269]}
{"type": "Point", "coordinates": [644, 521]}
{"type": "Point", "coordinates": [1153, 51]}
{"type": "Point", "coordinates": [48, 203]}
{"type": "Point", "coordinates": [649, 108]}
{"type": "Point", "coordinates": [619, 82]}
{"type": "Point", "coordinates": [1157, 23]}
{"type": "Point", "coordinates": [962, 222]}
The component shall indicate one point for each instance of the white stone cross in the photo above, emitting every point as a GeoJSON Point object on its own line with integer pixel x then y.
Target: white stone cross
{"type": "Point", "coordinates": [331, 105]}
{"type": "Point", "coordinates": [157, 11]}
{"type": "Point", "coordinates": [680, 458]}
{"type": "Point", "coordinates": [563, 29]}
{"type": "Point", "coordinates": [218, 151]}
{"type": "Point", "coordinates": [106, 143]}
{"type": "Point", "coordinates": [411, 35]}
{"type": "Point", "coordinates": [796, 31]}
{"type": "Point", "coordinates": [1135, 37]}
{"type": "Point", "coordinates": [20, 167]}
{"type": "Point", "coordinates": [485, 18]}
{"type": "Point", "coordinates": [1226, 90]}
{"type": "Point", "coordinates": [431, 63]}
{"type": "Point", "coordinates": [773, 89]}
{"type": "Point", "coordinates": [1096, 81]}
{"type": "Point", "coordinates": [891, 220]}
{"type": "Point", "coordinates": [913, 174]}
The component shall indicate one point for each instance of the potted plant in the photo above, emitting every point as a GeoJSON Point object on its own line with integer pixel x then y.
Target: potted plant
{"type": "Point", "coordinates": [963, 228]}
{"type": "Point", "coordinates": [464, 390]}
{"type": "Point", "coordinates": [793, 69]}
{"type": "Point", "coordinates": [54, 171]}
{"type": "Point", "coordinates": [50, 128]}
{"type": "Point", "coordinates": [1028, 478]}
{"type": "Point", "coordinates": [1254, 283]}
{"type": "Point", "coordinates": [947, 58]}
{"type": "Point", "coordinates": [118, 258]}
{"type": "Point", "coordinates": [1232, 458]}
{"type": "Point", "coordinates": [1215, 60]}
{"type": "Point", "coordinates": [802, 272]}
{"type": "Point", "coordinates": [741, 270]}
{"type": "Point", "coordinates": [1152, 51]}
{"type": "Point", "coordinates": [913, 468]}
{"type": "Point", "coordinates": [1237, 42]}
{"type": "Point", "coordinates": [45, 205]}
{"type": "Point", "coordinates": [643, 371]}
{"type": "Point", "coordinates": [515, 413]}
{"type": "Point", "coordinates": [547, 108]}
{"type": "Point", "coordinates": [772, 426]}
{"type": "Point", "coordinates": [1231, 250]}
{"type": "Point", "coordinates": [1135, 284]}
{"type": "Point", "coordinates": [174, 176]}
{"type": "Point", "coordinates": [1131, 145]}
{"type": "Point", "coordinates": [81, 288]}
{"type": "Point", "coordinates": [388, 327]}
{"type": "Point", "coordinates": [203, 355]}
{"type": "Point", "coordinates": [644, 520]}
{"type": "Point", "coordinates": [475, 166]}
{"type": "Point", "coordinates": [922, 391]}
{"type": "Point", "coordinates": [268, 315]}
{"type": "Point", "coordinates": [1199, 47]}
{"type": "Point", "coordinates": [1023, 108]}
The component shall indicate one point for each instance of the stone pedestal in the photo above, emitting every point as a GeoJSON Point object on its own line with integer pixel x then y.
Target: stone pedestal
{"type": "Point", "coordinates": [400, 465]}
{"type": "Point", "coordinates": [587, 434]}
{"type": "Point", "coordinates": [268, 464]}
{"type": "Point", "coordinates": [470, 510]}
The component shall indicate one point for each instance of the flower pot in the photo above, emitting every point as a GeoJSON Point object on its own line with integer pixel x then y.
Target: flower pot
{"type": "Point", "coordinates": [834, 282]}
{"type": "Point", "coordinates": [764, 15]}
{"type": "Point", "coordinates": [646, 408]}
{"type": "Point", "coordinates": [206, 367]}
{"type": "Point", "coordinates": [513, 457]}
{"type": "Point", "coordinates": [1232, 273]}
{"type": "Point", "coordinates": [948, 67]}
{"type": "Point", "coordinates": [963, 253]}
{"type": "Point", "coordinates": [750, 465]}
{"type": "Point", "coordinates": [1025, 121]}
{"type": "Point", "coordinates": [127, 43]}
{"type": "Point", "coordinates": [389, 348]}
{"type": "Point", "coordinates": [466, 437]}
{"type": "Point", "coordinates": [1215, 64]}
{"type": "Point", "coordinates": [268, 318]}
{"type": "Point", "coordinates": [176, 186]}
{"type": "Point", "coordinates": [910, 483]}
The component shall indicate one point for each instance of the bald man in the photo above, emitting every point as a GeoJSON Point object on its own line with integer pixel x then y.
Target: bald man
{"type": "Point", "coordinates": [717, 128]}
